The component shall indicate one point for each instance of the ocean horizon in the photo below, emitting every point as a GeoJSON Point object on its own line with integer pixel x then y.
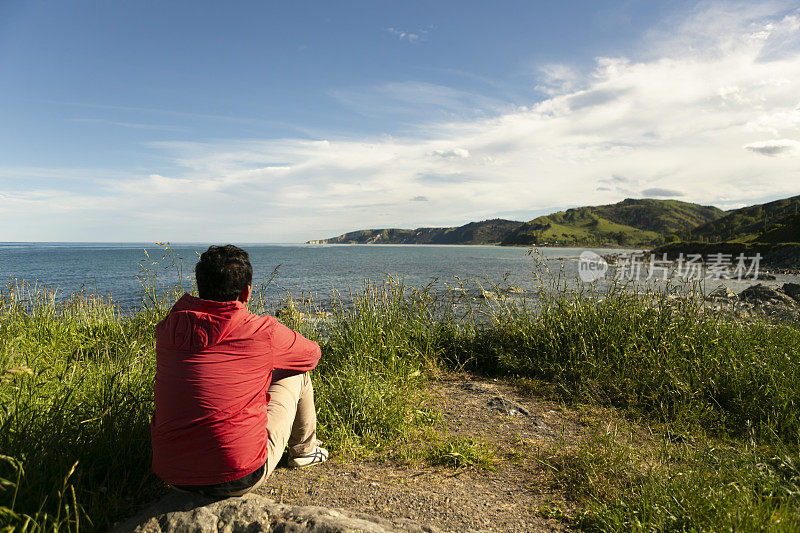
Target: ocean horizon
{"type": "Point", "coordinates": [111, 268]}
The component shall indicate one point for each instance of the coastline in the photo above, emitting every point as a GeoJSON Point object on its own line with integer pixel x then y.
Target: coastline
{"type": "Point", "coordinates": [576, 246]}
{"type": "Point", "coordinates": [776, 258]}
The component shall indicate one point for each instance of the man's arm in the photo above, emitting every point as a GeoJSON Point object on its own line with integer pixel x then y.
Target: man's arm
{"type": "Point", "coordinates": [292, 350]}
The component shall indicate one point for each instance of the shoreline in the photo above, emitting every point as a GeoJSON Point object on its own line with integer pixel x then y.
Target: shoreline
{"type": "Point", "coordinates": [776, 258]}
{"type": "Point", "coordinates": [571, 247]}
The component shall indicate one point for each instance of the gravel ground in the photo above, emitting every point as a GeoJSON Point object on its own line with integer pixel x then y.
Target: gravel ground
{"type": "Point", "coordinates": [514, 496]}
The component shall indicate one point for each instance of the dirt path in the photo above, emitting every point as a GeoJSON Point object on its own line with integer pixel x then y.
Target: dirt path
{"type": "Point", "coordinates": [514, 496]}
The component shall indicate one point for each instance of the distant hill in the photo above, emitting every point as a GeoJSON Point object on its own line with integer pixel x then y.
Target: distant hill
{"type": "Point", "coordinates": [771, 229]}
{"type": "Point", "coordinates": [485, 232]}
{"type": "Point", "coordinates": [777, 221]}
{"type": "Point", "coordinates": [642, 222]}
{"type": "Point", "coordinates": [631, 222]}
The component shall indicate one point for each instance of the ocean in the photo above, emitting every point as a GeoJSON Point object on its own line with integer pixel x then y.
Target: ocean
{"type": "Point", "coordinates": [111, 269]}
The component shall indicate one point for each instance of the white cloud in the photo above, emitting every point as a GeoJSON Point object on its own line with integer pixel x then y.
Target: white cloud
{"type": "Point", "coordinates": [670, 120]}
{"type": "Point", "coordinates": [452, 152]}
{"type": "Point", "coordinates": [410, 36]}
{"type": "Point", "coordinates": [558, 79]}
{"type": "Point", "coordinates": [660, 192]}
{"type": "Point", "coordinates": [775, 147]}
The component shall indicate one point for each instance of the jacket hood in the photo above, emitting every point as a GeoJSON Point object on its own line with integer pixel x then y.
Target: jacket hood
{"type": "Point", "coordinates": [194, 324]}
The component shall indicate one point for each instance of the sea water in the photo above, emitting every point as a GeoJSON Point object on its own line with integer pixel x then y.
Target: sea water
{"type": "Point", "coordinates": [116, 269]}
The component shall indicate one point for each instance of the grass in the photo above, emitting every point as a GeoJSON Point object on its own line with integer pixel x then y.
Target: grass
{"type": "Point", "coordinates": [770, 222]}
{"type": "Point", "coordinates": [461, 452]}
{"type": "Point", "coordinates": [76, 397]}
{"type": "Point", "coordinates": [83, 406]}
{"type": "Point", "coordinates": [656, 356]}
{"type": "Point", "coordinates": [579, 227]}
{"type": "Point", "coordinates": [624, 483]}
{"type": "Point", "coordinates": [643, 222]}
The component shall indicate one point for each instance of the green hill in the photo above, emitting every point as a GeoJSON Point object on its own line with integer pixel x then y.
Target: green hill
{"type": "Point", "coordinates": [661, 216]}
{"type": "Point", "coordinates": [631, 222]}
{"type": "Point", "coordinates": [642, 222]}
{"type": "Point", "coordinates": [777, 221]}
{"type": "Point", "coordinates": [484, 232]}
{"type": "Point", "coordinates": [771, 229]}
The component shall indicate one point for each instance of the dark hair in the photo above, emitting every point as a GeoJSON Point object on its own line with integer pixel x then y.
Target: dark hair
{"type": "Point", "coordinates": [222, 273]}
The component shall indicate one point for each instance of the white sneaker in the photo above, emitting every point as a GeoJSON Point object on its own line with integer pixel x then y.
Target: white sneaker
{"type": "Point", "coordinates": [319, 455]}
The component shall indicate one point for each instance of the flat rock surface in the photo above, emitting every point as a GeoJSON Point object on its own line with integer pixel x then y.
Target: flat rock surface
{"type": "Point", "coordinates": [181, 512]}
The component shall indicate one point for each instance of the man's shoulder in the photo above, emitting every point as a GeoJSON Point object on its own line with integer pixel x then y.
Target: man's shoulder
{"type": "Point", "coordinates": [259, 323]}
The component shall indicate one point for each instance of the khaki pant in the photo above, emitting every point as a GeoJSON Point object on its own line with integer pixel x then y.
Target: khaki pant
{"type": "Point", "coordinates": [291, 419]}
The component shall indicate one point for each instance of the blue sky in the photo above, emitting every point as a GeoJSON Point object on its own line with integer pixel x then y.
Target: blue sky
{"type": "Point", "coordinates": [282, 122]}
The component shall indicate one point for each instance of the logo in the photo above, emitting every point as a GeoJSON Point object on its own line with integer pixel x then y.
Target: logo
{"type": "Point", "coordinates": [591, 266]}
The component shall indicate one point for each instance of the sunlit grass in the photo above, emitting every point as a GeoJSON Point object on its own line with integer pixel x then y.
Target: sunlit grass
{"type": "Point", "coordinates": [462, 452]}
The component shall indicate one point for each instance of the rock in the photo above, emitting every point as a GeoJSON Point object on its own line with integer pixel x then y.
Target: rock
{"type": "Point", "coordinates": [539, 425]}
{"type": "Point", "coordinates": [761, 294]}
{"type": "Point", "coordinates": [513, 289]}
{"type": "Point", "coordinates": [475, 387]}
{"type": "Point", "coordinates": [611, 259]}
{"type": "Point", "coordinates": [488, 295]}
{"type": "Point", "coordinates": [189, 513]}
{"type": "Point", "coordinates": [498, 403]}
{"type": "Point", "coordinates": [792, 290]}
{"type": "Point", "coordinates": [480, 293]}
{"type": "Point", "coordinates": [721, 293]}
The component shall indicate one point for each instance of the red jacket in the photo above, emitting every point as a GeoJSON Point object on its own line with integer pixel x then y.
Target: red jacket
{"type": "Point", "coordinates": [214, 362]}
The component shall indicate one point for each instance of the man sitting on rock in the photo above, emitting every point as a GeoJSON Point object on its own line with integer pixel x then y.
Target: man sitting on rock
{"type": "Point", "coordinates": [231, 388]}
